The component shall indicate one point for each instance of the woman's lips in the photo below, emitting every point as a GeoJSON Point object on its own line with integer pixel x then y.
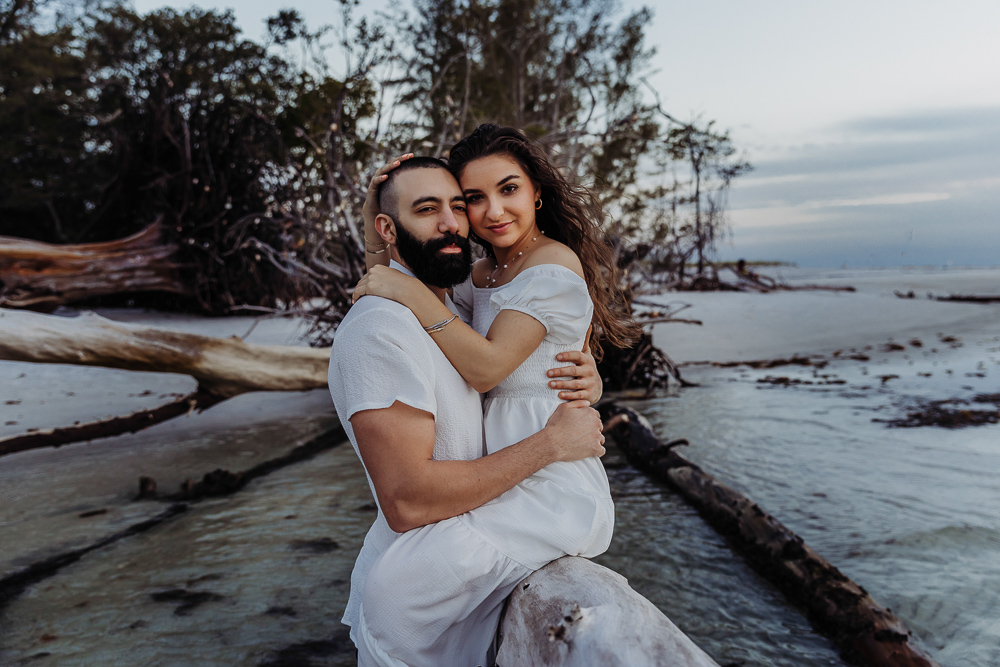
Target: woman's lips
{"type": "Point", "coordinates": [500, 229]}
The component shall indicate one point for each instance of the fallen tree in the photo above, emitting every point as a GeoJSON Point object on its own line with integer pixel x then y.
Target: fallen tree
{"type": "Point", "coordinates": [42, 276]}
{"type": "Point", "coordinates": [223, 367]}
{"type": "Point", "coordinates": [866, 633]}
{"type": "Point", "coordinates": [576, 612]}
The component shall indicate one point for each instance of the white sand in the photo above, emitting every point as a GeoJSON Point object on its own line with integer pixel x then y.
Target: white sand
{"type": "Point", "coordinates": [740, 326]}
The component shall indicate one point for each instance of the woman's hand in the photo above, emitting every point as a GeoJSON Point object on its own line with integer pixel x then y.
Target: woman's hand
{"type": "Point", "coordinates": [371, 208]}
{"type": "Point", "coordinates": [390, 284]}
{"type": "Point", "coordinates": [376, 249]}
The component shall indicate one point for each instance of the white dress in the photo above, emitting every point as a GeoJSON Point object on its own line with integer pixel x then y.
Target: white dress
{"type": "Point", "coordinates": [566, 507]}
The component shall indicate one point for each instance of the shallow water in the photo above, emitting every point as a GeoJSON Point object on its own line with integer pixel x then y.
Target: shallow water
{"type": "Point", "coordinates": [911, 514]}
{"type": "Point", "coordinates": [260, 577]}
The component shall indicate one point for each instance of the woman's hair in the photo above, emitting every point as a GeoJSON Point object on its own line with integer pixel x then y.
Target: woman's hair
{"type": "Point", "coordinates": [570, 214]}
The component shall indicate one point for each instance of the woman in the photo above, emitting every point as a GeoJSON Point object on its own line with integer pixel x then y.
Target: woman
{"type": "Point", "coordinates": [547, 275]}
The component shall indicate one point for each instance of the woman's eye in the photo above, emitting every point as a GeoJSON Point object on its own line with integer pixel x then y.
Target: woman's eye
{"type": "Point", "coordinates": [469, 199]}
{"type": "Point", "coordinates": [509, 189]}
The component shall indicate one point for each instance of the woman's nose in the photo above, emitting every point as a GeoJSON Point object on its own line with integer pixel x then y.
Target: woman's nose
{"type": "Point", "coordinates": [495, 208]}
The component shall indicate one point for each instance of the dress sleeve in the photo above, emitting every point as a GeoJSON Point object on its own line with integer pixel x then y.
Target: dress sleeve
{"type": "Point", "coordinates": [380, 360]}
{"type": "Point", "coordinates": [463, 298]}
{"type": "Point", "coordinates": [553, 295]}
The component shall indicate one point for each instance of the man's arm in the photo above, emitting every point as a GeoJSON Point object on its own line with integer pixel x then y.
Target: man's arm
{"type": "Point", "coordinates": [397, 443]}
{"type": "Point", "coordinates": [586, 383]}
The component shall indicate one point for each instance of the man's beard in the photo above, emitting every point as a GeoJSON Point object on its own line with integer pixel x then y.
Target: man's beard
{"type": "Point", "coordinates": [429, 265]}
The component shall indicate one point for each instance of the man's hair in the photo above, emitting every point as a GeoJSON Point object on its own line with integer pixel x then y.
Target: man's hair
{"type": "Point", "coordinates": [388, 200]}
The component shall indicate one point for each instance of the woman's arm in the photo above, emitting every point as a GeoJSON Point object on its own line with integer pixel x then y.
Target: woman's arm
{"type": "Point", "coordinates": [376, 249]}
{"type": "Point", "coordinates": [483, 362]}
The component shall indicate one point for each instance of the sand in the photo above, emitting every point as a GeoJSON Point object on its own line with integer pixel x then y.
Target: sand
{"type": "Point", "coordinates": [749, 326]}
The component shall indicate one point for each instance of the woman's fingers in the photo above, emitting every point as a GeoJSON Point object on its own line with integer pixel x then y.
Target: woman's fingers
{"type": "Point", "coordinates": [360, 289]}
{"type": "Point", "coordinates": [382, 172]}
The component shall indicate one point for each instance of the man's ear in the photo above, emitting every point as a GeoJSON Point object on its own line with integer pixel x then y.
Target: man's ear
{"type": "Point", "coordinates": [386, 228]}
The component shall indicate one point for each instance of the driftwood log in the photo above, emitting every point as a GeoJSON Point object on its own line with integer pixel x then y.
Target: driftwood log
{"type": "Point", "coordinates": [573, 612]}
{"type": "Point", "coordinates": [866, 633]}
{"type": "Point", "coordinates": [42, 276]}
{"type": "Point", "coordinates": [223, 367]}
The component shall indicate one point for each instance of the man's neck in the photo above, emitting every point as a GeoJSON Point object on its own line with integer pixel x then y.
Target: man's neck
{"type": "Point", "coordinates": [396, 263]}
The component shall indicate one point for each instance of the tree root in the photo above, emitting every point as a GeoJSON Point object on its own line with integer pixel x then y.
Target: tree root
{"type": "Point", "coordinates": [137, 421]}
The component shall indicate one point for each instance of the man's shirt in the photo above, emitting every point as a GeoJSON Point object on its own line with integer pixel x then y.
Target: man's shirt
{"type": "Point", "coordinates": [381, 354]}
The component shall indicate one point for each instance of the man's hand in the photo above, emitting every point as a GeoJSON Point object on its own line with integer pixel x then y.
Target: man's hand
{"type": "Point", "coordinates": [584, 381]}
{"type": "Point", "coordinates": [575, 432]}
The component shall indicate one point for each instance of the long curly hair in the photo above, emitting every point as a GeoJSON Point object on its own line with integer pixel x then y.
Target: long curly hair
{"type": "Point", "coordinates": [570, 214]}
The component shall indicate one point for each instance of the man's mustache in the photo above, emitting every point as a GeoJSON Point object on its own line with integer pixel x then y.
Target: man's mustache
{"type": "Point", "coordinates": [449, 238]}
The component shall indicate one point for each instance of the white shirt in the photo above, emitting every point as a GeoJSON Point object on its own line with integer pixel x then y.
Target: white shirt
{"type": "Point", "coordinates": [381, 355]}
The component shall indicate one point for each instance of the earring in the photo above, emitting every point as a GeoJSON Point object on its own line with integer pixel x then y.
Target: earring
{"type": "Point", "coordinates": [538, 203]}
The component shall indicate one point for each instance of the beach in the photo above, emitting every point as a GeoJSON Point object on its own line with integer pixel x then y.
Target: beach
{"type": "Point", "coordinates": [261, 576]}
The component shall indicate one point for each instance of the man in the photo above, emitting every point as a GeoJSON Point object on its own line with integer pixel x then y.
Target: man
{"type": "Point", "coordinates": [417, 427]}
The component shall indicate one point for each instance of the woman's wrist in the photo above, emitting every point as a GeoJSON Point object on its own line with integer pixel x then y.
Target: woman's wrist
{"type": "Point", "coordinates": [426, 305]}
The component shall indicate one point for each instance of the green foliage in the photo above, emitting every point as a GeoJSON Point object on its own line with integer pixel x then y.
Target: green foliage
{"type": "Point", "coordinates": [257, 158]}
{"type": "Point", "coordinates": [572, 78]}
{"type": "Point", "coordinates": [174, 116]}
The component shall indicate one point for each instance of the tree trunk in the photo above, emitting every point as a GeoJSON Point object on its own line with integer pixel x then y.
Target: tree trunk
{"type": "Point", "coordinates": [866, 633]}
{"type": "Point", "coordinates": [224, 367]}
{"type": "Point", "coordinates": [42, 276]}
{"type": "Point", "coordinates": [575, 612]}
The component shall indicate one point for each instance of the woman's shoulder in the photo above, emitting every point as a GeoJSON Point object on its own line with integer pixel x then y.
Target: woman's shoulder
{"type": "Point", "coordinates": [557, 254]}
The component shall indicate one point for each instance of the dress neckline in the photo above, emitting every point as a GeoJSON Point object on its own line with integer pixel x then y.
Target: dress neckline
{"type": "Point", "coordinates": [548, 265]}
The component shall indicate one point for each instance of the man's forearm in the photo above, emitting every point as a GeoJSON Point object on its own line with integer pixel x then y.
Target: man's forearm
{"type": "Point", "coordinates": [443, 489]}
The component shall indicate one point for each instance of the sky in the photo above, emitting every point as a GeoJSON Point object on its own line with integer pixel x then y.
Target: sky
{"type": "Point", "coordinates": [873, 126]}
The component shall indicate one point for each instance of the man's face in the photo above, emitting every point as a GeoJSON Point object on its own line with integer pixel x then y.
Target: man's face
{"type": "Point", "coordinates": [432, 228]}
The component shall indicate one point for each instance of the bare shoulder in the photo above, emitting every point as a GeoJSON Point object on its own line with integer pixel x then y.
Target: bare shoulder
{"type": "Point", "coordinates": [554, 252]}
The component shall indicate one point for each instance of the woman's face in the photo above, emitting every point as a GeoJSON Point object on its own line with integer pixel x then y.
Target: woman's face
{"type": "Point", "coordinates": [500, 200]}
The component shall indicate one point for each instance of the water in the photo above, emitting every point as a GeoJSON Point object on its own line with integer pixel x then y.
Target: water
{"type": "Point", "coordinates": [913, 514]}
{"type": "Point", "coordinates": [260, 577]}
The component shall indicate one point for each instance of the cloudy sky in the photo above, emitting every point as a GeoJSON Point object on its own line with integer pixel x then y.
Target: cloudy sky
{"type": "Point", "coordinates": [873, 126]}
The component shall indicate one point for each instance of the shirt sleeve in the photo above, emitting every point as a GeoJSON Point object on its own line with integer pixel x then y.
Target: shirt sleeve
{"type": "Point", "coordinates": [553, 295]}
{"type": "Point", "coordinates": [379, 359]}
{"type": "Point", "coordinates": [463, 298]}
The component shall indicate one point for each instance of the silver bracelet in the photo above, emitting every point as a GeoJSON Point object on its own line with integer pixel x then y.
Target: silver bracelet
{"type": "Point", "coordinates": [375, 252]}
{"type": "Point", "coordinates": [434, 328]}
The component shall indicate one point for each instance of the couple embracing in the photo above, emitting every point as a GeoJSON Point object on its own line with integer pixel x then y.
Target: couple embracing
{"type": "Point", "coordinates": [474, 494]}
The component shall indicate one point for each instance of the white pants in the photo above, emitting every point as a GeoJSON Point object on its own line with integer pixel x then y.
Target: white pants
{"type": "Point", "coordinates": [434, 598]}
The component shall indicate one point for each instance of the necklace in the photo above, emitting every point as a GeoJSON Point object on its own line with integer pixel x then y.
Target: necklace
{"type": "Point", "coordinates": [491, 279]}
